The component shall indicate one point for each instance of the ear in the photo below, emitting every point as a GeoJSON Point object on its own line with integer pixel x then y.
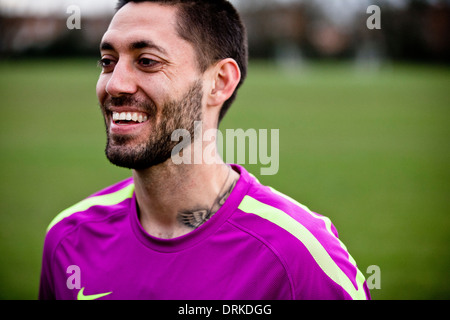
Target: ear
{"type": "Point", "coordinates": [225, 77]}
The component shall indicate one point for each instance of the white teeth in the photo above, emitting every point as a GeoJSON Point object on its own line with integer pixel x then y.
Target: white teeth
{"type": "Point", "coordinates": [135, 116]}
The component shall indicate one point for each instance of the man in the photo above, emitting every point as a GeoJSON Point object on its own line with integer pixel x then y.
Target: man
{"type": "Point", "coordinates": [180, 230]}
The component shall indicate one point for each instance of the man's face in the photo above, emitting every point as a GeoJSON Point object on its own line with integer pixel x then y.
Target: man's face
{"type": "Point", "coordinates": [150, 85]}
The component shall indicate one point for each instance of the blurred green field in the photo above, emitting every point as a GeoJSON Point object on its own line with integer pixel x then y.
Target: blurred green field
{"type": "Point", "coordinates": [370, 151]}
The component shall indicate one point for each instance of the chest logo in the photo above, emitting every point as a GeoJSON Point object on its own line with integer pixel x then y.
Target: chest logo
{"type": "Point", "coordinates": [82, 296]}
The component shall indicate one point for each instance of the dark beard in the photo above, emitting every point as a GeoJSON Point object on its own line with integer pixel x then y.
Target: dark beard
{"type": "Point", "coordinates": [175, 115]}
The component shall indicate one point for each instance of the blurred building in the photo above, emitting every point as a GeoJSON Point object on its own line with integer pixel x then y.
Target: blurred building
{"type": "Point", "coordinates": [43, 36]}
{"type": "Point", "coordinates": [417, 30]}
{"type": "Point", "coordinates": [287, 30]}
{"type": "Point", "coordinates": [39, 27]}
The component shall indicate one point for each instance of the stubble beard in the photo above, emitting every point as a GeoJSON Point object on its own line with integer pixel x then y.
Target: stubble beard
{"type": "Point", "coordinates": [157, 149]}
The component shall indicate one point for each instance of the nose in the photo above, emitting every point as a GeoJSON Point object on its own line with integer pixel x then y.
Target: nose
{"type": "Point", "coordinates": [122, 80]}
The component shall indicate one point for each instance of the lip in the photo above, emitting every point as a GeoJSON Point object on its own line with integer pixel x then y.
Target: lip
{"type": "Point", "coordinates": [112, 109]}
{"type": "Point", "coordinates": [138, 117]}
{"type": "Point", "coordinates": [130, 128]}
{"type": "Point", "coordinates": [126, 129]}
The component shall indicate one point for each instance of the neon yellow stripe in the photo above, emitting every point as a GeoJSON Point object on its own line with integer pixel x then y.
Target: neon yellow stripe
{"type": "Point", "coordinates": [360, 279]}
{"type": "Point", "coordinates": [103, 200]}
{"type": "Point", "coordinates": [81, 295]}
{"type": "Point", "coordinates": [318, 252]}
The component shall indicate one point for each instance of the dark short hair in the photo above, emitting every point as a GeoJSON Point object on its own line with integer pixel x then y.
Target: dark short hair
{"type": "Point", "coordinates": [216, 31]}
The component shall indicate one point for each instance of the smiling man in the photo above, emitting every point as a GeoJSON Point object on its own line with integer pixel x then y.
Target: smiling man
{"type": "Point", "coordinates": [182, 231]}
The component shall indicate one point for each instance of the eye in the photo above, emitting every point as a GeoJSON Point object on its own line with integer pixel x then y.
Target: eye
{"type": "Point", "coordinates": [147, 62]}
{"type": "Point", "coordinates": [106, 64]}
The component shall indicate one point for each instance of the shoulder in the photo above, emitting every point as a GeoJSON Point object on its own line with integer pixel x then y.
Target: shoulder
{"type": "Point", "coordinates": [292, 219]}
{"type": "Point", "coordinates": [282, 211]}
{"type": "Point", "coordinates": [93, 207]}
{"type": "Point", "coordinates": [307, 244]}
{"type": "Point", "coordinates": [101, 205]}
{"type": "Point", "coordinates": [285, 223]}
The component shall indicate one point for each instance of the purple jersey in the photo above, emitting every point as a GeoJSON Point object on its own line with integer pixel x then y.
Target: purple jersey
{"type": "Point", "coordinates": [260, 245]}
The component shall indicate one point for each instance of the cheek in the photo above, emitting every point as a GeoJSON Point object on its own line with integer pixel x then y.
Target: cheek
{"type": "Point", "coordinates": [101, 89]}
{"type": "Point", "coordinates": [156, 89]}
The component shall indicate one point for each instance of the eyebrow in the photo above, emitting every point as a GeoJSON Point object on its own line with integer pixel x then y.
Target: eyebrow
{"type": "Point", "coordinates": [137, 45]}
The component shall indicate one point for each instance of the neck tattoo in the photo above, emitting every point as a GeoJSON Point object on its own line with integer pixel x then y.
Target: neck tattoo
{"type": "Point", "coordinates": [195, 218]}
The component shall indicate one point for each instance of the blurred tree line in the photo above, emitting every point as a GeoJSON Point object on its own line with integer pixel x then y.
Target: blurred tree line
{"type": "Point", "coordinates": [288, 31]}
{"type": "Point", "coordinates": [418, 31]}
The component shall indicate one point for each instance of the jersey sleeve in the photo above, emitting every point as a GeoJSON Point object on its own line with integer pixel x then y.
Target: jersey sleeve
{"type": "Point", "coordinates": [326, 270]}
{"type": "Point", "coordinates": [46, 288]}
{"type": "Point", "coordinates": [317, 262]}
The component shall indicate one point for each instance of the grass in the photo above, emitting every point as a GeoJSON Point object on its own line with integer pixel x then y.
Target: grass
{"type": "Point", "coordinates": [370, 151]}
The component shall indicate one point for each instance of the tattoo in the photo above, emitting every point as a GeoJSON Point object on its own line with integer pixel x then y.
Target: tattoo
{"type": "Point", "coordinates": [195, 218]}
{"type": "Point", "coordinates": [225, 196]}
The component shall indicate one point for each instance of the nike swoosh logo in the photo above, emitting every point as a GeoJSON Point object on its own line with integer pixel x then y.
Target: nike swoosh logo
{"type": "Point", "coordinates": [81, 295]}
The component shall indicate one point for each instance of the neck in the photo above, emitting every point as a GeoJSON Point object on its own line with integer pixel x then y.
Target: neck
{"type": "Point", "coordinates": [174, 199]}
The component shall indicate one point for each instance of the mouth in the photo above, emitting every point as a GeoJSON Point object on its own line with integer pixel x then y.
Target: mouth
{"type": "Point", "coordinates": [129, 118]}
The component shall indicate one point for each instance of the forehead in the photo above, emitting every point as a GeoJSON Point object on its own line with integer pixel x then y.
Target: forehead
{"type": "Point", "coordinates": [144, 21]}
